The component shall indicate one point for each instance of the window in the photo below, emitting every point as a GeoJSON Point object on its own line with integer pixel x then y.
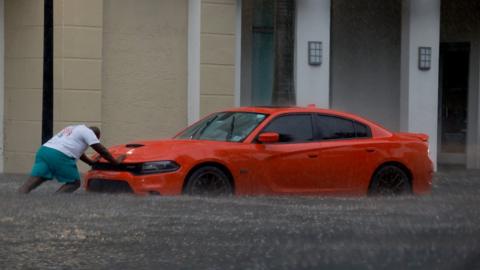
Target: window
{"type": "Point", "coordinates": [361, 130]}
{"type": "Point", "coordinates": [332, 127]}
{"type": "Point", "coordinates": [292, 128]}
{"type": "Point", "coordinates": [224, 126]}
{"type": "Point", "coordinates": [267, 50]}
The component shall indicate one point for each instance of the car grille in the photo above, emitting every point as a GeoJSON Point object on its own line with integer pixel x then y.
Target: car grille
{"type": "Point", "coordinates": [109, 186]}
{"type": "Point", "coordinates": [132, 168]}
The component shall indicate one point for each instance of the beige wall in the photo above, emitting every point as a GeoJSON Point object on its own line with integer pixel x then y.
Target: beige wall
{"type": "Point", "coordinates": [78, 68]}
{"type": "Point", "coordinates": [119, 64]}
{"type": "Point", "coordinates": [23, 82]}
{"type": "Point", "coordinates": [77, 72]}
{"type": "Point", "coordinates": [217, 66]}
{"type": "Point", "coordinates": [145, 69]}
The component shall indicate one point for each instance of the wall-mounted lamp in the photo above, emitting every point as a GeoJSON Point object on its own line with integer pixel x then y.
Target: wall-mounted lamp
{"type": "Point", "coordinates": [315, 53]}
{"type": "Point", "coordinates": [424, 58]}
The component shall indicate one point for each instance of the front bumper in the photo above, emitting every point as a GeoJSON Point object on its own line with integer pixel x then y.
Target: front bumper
{"type": "Point", "coordinates": [162, 183]}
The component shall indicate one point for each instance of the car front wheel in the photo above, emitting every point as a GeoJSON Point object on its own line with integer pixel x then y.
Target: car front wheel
{"type": "Point", "coordinates": [390, 180]}
{"type": "Point", "coordinates": [208, 181]}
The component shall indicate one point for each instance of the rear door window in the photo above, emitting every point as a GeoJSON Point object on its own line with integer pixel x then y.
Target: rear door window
{"type": "Point", "coordinates": [292, 128]}
{"type": "Point", "coordinates": [361, 130]}
{"type": "Point", "coordinates": [329, 127]}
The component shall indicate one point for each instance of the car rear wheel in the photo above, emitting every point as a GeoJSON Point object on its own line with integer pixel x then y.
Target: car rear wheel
{"type": "Point", "coordinates": [390, 180]}
{"type": "Point", "coordinates": [208, 181]}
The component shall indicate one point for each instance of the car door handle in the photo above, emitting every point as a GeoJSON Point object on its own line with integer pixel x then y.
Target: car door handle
{"type": "Point", "coordinates": [370, 150]}
{"type": "Point", "coordinates": [312, 155]}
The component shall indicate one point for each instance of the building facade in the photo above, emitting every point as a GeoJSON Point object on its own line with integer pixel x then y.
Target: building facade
{"type": "Point", "coordinates": [143, 69]}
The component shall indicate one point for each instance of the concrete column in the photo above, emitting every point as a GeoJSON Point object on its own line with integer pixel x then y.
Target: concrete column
{"type": "Point", "coordinates": [194, 24]}
{"type": "Point", "coordinates": [473, 116]}
{"type": "Point", "coordinates": [473, 137]}
{"type": "Point", "coordinates": [238, 53]}
{"type": "Point", "coordinates": [2, 81]}
{"type": "Point", "coordinates": [312, 24]}
{"type": "Point", "coordinates": [419, 89]}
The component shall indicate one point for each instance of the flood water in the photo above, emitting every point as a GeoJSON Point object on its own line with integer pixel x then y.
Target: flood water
{"type": "Point", "coordinates": [96, 231]}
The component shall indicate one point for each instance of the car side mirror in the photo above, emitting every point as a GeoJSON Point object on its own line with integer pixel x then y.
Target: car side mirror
{"type": "Point", "coordinates": [269, 137]}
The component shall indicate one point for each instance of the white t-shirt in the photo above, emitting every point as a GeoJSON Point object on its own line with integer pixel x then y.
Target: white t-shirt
{"type": "Point", "coordinates": [73, 141]}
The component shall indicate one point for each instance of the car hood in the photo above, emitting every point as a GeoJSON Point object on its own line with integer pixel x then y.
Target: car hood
{"type": "Point", "coordinates": [141, 151]}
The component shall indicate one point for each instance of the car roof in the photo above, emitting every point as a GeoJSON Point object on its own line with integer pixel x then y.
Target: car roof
{"type": "Point", "coordinates": [292, 109]}
{"type": "Point", "coordinates": [276, 110]}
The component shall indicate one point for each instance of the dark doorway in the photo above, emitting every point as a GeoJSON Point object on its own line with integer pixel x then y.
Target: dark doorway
{"type": "Point", "coordinates": [453, 101]}
{"type": "Point", "coordinates": [267, 52]}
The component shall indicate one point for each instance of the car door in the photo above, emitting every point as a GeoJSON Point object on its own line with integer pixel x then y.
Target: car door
{"type": "Point", "coordinates": [343, 149]}
{"type": "Point", "coordinates": [290, 164]}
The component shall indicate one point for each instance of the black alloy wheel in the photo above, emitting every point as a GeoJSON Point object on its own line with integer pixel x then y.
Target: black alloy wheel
{"type": "Point", "coordinates": [208, 181]}
{"type": "Point", "coordinates": [390, 180]}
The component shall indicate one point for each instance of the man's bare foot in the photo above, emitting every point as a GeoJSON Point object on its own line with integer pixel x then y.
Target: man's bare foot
{"type": "Point", "coordinates": [69, 187]}
{"type": "Point", "coordinates": [32, 183]}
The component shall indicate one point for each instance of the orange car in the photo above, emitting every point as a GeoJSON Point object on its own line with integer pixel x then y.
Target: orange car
{"type": "Point", "coordinates": [272, 150]}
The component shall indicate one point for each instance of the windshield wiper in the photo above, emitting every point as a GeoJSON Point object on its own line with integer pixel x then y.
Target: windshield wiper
{"type": "Point", "coordinates": [232, 127]}
{"type": "Point", "coordinates": [200, 131]}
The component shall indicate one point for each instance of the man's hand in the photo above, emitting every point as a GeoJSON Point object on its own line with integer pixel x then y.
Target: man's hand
{"type": "Point", "coordinates": [97, 159]}
{"type": "Point", "coordinates": [99, 148]}
{"type": "Point", "coordinates": [121, 158]}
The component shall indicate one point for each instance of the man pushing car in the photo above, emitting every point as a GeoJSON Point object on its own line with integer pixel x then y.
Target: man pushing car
{"type": "Point", "coordinates": [57, 158]}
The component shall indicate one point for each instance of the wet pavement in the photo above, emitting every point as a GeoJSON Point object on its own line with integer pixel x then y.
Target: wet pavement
{"type": "Point", "coordinates": [98, 231]}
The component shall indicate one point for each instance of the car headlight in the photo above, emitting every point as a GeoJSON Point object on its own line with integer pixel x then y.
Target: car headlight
{"type": "Point", "coordinates": [159, 167]}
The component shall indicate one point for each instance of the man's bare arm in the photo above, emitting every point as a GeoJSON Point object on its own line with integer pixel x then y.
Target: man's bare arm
{"type": "Point", "coordinates": [86, 159]}
{"type": "Point", "coordinates": [100, 149]}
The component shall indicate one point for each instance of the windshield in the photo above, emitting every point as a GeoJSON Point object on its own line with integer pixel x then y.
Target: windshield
{"type": "Point", "coordinates": [224, 126]}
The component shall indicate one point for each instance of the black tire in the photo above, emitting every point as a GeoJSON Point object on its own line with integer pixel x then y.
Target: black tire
{"type": "Point", "coordinates": [208, 181]}
{"type": "Point", "coordinates": [390, 180]}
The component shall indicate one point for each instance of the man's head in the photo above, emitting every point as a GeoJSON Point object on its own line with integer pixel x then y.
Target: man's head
{"type": "Point", "coordinates": [96, 130]}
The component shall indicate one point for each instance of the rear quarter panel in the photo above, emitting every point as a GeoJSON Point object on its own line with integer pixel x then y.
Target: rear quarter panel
{"type": "Point", "coordinates": [412, 153]}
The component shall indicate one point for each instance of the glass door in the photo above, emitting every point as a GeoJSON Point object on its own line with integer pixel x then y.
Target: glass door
{"type": "Point", "coordinates": [262, 52]}
{"type": "Point", "coordinates": [267, 52]}
{"type": "Point", "coordinates": [453, 100]}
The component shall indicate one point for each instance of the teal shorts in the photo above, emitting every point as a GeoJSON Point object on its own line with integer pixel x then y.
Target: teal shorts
{"type": "Point", "coordinates": [51, 163]}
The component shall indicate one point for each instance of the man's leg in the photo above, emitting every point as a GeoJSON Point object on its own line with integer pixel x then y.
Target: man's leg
{"type": "Point", "coordinates": [32, 183]}
{"type": "Point", "coordinates": [69, 187]}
